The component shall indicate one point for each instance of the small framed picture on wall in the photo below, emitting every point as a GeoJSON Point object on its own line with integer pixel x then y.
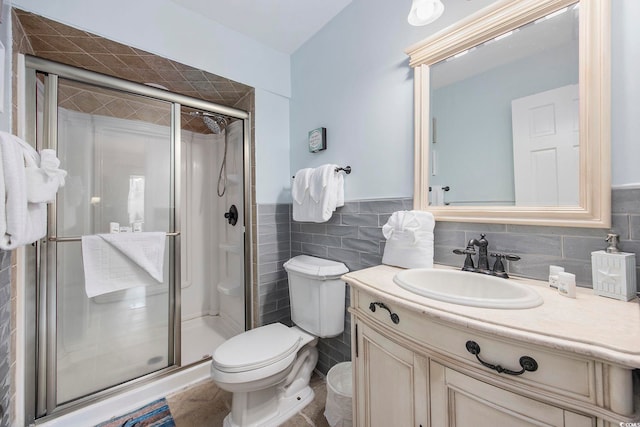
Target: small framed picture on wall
{"type": "Point", "coordinates": [318, 140]}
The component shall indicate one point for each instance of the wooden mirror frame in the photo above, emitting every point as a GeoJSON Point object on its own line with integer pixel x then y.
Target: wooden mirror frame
{"type": "Point", "coordinates": [594, 209]}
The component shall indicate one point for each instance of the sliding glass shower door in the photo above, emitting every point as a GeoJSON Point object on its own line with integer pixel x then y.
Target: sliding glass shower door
{"type": "Point", "coordinates": [120, 143]}
{"type": "Point", "coordinates": [118, 149]}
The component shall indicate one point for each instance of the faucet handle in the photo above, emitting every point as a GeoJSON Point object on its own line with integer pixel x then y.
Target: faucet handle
{"type": "Point", "coordinates": [468, 261]}
{"type": "Point", "coordinates": [467, 251]}
{"type": "Point", "coordinates": [498, 266]}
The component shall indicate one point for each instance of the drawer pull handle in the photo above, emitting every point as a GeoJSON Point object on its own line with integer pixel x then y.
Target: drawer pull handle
{"type": "Point", "coordinates": [526, 363]}
{"type": "Point", "coordinates": [394, 317]}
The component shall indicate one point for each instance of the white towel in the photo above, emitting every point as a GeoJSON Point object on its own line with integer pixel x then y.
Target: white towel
{"type": "Point", "coordinates": [319, 180]}
{"type": "Point", "coordinates": [113, 262]}
{"type": "Point", "coordinates": [409, 237]}
{"type": "Point", "coordinates": [339, 182]}
{"type": "Point", "coordinates": [325, 194]}
{"type": "Point", "coordinates": [300, 187]}
{"type": "Point", "coordinates": [21, 222]}
{"type": "Point", "coordinates": [44, 179]}
{"type": "Point", "coordinates": [437, 195]}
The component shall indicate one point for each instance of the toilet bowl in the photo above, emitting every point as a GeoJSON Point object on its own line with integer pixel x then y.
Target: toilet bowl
{"type": "Point", "coordinates": [268, 368]}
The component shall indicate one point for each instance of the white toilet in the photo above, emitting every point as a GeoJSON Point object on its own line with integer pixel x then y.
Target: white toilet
{"type": "Point", "coordinates": [268, 368]}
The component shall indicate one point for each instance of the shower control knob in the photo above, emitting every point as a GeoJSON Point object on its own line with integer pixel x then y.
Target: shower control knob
{"type": "Point", "coordinates": [232, 215]}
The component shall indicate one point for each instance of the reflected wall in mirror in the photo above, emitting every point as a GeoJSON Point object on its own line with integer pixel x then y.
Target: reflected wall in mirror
{"type": "Point", "coordinates": [511, 101]}
{"type": "Point", "coordinates": [512, 115]}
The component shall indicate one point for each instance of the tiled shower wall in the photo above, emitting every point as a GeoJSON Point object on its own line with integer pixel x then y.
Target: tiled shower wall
{"type": "Point", "coordinates": [354, 236]}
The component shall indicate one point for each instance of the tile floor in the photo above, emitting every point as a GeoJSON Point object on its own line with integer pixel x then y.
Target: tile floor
{"type": "Point", "coordinates": [205, 405]}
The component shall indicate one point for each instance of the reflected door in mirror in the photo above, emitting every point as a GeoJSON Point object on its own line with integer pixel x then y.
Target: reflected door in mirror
{"type": "Point", "coordinates": [546, 148]}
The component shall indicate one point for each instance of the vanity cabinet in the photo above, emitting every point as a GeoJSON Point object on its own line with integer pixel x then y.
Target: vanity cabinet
{"type": "Point", "coordinates": [458, 399]}
{"type": "Point", "coordinates": [393, 380]}
{"type": "Point", "coordinates": [412, 367]}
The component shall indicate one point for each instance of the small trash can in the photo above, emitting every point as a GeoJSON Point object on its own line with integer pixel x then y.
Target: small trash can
{"type": "Point", "coordinates": [339, 392]}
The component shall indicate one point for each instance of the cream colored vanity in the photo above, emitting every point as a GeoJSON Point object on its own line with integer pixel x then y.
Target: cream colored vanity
{"type": "Point", "coordinates": [412, 366]}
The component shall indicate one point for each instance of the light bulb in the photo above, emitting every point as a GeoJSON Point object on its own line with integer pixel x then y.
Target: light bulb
{"type": "Point", "coordinates": [424, 12]}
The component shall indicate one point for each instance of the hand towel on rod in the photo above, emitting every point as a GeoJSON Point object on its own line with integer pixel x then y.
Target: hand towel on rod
{"type": "Point", "coordinates": [326, 193]}
{"type": "Point", "coordinates": [113, 262]}
{"type": "Point", "coordinates": [300, 186]}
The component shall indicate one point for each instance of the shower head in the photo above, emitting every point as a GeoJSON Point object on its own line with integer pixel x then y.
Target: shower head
{"type": "Point", "coordinates": [214, 123]}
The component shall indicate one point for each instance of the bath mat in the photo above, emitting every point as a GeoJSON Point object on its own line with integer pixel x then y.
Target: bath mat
{"type": "Point", "coordinates": [155, 414]}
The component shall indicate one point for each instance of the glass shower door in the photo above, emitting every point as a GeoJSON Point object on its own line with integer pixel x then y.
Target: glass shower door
{"type": "Point", "coordinates": [117, 150]}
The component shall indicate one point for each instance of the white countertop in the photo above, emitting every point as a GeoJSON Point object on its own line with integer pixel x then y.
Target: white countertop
{"type": "Point", "coordinates": [590, 325]}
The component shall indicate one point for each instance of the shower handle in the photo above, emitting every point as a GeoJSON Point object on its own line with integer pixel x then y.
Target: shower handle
{"type": "Point", "coordinates": [232, 215]}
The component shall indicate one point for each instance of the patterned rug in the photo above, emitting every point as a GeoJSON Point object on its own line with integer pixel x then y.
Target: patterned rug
{"type": "Point", "coordinates": [155, 414]}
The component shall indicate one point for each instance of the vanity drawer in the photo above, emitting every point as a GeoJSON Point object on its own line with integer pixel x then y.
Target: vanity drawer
{"type": "Point", "coordinates": [557, 373]}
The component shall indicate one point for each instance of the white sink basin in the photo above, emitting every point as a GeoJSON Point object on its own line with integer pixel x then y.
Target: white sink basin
{"type": "Point", "coordinates": [465, 288]}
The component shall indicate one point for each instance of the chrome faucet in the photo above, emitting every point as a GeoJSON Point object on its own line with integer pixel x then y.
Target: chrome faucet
{"type": "Point", "coordinates": [483, 258]}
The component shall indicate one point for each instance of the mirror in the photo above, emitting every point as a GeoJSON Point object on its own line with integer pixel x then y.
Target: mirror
{"type": "Point", "coordinates": [512, 115]}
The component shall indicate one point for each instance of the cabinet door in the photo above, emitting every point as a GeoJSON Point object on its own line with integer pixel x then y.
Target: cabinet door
{"type": "Point", "coordinates": [459, 400]}
{"type": "Point", "coordinates": [391, 382]}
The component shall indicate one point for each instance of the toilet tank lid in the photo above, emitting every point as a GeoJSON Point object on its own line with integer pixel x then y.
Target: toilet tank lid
{"type": "Point", "coordinates": [315, 267]}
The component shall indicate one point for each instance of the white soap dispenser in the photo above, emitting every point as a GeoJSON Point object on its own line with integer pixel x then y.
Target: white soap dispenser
{"type": "Point", "coordinates": [614, 272]}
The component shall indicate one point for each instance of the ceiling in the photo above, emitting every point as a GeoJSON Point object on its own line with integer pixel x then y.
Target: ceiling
{"type": "Point", "coordinates": [284, 25]}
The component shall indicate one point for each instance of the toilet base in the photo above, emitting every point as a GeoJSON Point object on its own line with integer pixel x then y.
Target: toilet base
{"type": "Point", "coordinates": [287, 408]}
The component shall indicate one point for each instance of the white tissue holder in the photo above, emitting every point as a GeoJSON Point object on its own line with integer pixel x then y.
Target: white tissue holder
{"type": "Point", "coordinates": [614, 275]}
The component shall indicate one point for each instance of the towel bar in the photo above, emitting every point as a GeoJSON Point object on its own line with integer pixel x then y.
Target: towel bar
{"type": "Point", "coordinates": [346, 169]}
{"type": "Point", "coordinates": [79, 238]}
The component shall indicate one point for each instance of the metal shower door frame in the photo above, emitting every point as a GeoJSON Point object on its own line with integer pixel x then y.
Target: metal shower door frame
{"type": "Point", "coordinates": [41, 381]}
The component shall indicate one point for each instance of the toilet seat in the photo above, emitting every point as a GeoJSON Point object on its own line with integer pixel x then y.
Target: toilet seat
{"type": "Point", "coordinates": [257, 348]}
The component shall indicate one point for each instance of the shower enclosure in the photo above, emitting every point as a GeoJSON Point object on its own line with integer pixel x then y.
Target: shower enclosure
{"type": "Point", "coordinates": [138, 159]}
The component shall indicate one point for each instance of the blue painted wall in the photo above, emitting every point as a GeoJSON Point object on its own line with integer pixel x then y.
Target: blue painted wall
{"type": "Point", "coordinates": [353, 78]}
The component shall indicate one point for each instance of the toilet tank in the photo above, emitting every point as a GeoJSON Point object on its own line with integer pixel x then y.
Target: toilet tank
{"type": "Point", "coordinates": [316, 294]}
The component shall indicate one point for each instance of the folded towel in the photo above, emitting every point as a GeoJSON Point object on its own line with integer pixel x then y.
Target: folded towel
{"type": "Point", "coordinates": [409, 237]}
{"type": "Point", "coordinates": [21, 222]}
{"type": "Point", "coordinates": [301, 185]}
{"type": "Point", "coordinates": [413, 223]}
{"type": "Point", "coordinates": [113, 262]}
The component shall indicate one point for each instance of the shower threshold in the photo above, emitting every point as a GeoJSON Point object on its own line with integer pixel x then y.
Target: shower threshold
{"type": "Point", "coordinates": [133, 397]}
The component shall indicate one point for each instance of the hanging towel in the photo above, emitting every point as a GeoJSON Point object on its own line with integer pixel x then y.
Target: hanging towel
{"type": "Point", "coordinates": [325, 194]}
{"type": "Point", "coordinates": [340, 189]}
{"type": "Point", "coordinates": [409, 237]}
{"type": "Point", "coordinates": [437, 195]}
{"type": "Point", "coordinates": [300, 187]}
{"type": "Point", "coordinates": [21, 222]}
{"type": "Point", "coordinates": [113, 262]}
{"type": "Point", "coordinates": [320, 180]}
{"type": "Point", "coordinates": [44, 180]}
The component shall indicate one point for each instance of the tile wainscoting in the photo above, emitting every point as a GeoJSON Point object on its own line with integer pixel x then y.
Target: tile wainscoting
{"type": "Point", "coordinates": [354, 236]}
